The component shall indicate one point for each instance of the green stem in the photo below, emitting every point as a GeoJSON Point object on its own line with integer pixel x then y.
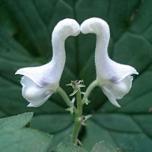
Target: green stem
{"type": "Point", "coordinates": [79, 102]}
{"type": "Point", "coordinates": [78, 117]}
{"type": "Point", "coordinates": [79, 110]}
{"type": "Point", "coordinates": [64, 96]}
{"type": "Point", "coordinates": [90, 88]}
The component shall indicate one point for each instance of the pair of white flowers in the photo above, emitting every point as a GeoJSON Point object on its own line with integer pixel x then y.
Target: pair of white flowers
{"type": "Point", "coordinates": [39, 83]}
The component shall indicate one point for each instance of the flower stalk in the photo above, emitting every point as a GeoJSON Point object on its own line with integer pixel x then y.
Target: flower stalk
{"type": "Point", "coordinates": [64, 95]}
{"type": "Point", "coordinates": [77, 109]}
{"type": "Point", "coordinates": [78, 117]}
{"type": "Point", "coordinates": [89, 89]}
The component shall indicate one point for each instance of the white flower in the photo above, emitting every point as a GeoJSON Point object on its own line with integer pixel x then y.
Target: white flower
{"type": "Point", "coordinates": [39, 83]}
{"type": "Point", "coordinates": [115, 79]}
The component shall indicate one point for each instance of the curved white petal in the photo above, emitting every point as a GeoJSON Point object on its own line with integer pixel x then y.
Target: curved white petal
{"type": "Point", "coordinates": [117, 90]}
{"type": "Point", "coordinates": [33, 93]}
{"type": "Point", "coordinates": [113, 71]}
{"type": "Point", "coordinates": [42, 75]}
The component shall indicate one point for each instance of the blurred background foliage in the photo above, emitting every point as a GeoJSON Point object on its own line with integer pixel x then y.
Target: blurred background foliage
{"type": "Point", "coordinates": [25, 40]}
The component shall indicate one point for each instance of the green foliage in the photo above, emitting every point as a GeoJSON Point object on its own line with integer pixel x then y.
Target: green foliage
{"type": "Point", "coordinates": [103, 147]}
{"type": "Point", "coordinates": [15, 122]}
{"type": "Point", "coordinates": [15, 137]}
{"type": "Point", "coordinates": [69, 148]}
{"type": "Point", "coordinates": [25, 29]}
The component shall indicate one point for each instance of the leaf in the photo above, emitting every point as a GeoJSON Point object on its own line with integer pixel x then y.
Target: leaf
{"type": "Point", "coordinates": [103, 147]}
{"type": "Point", "coordinates": [112, 129]}
{"type": "Point", "coordinates": [69, 148]}
{"type": "Point", "coordinates": [37, 31]}
{"type": "Point", "coordinates": [24, 140]}
{"type": "Point", "coordinates": [25, 29]}
{"type": "Point", "coordinates": [55, 119]}
{"type": "Point", "coordinates": [94, 134]}
{"type": "Point", "coordinates": [15, 137]}
{"type": "Point", "coordinates": [15, 122]}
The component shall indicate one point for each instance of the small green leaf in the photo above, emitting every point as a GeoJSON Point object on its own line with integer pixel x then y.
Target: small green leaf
{"type": "Point", "coordinates": [15, 122]}
{"type": "Point", "coordinates": [24, 140]}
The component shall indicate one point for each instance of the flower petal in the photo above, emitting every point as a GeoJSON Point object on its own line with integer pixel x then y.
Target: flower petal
{"type": "Point", "coordinates": [121, 71]}
{"type": "Point", "coordinates": [33, 93]}
{"type": "Point", "coordinates": [41, 75]}
{"type": "Point", "coordinates": [110, 70]}
{"type": "Point", "coordinates": [115, 91]}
